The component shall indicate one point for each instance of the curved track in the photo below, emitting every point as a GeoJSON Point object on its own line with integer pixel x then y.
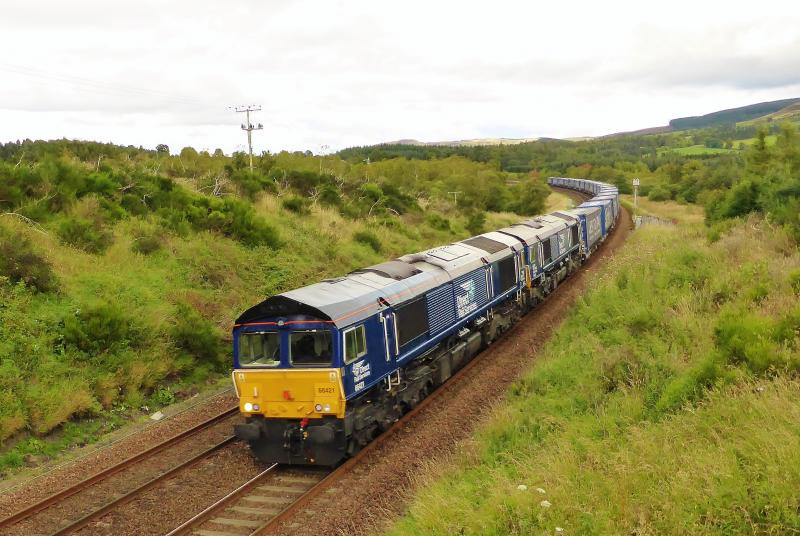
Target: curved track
{"type": "Point", "coordinates": [277, 497]}
{"type": "Point", "coordinates": [236, 514]}
{"type": "Point", "coordinates": [382, 473]}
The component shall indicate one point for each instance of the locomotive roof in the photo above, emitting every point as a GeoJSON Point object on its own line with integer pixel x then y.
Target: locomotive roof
{"type": "Point", "coordinates": [351, 298]}
{"type": "Point", "coordinates": [545, 226]}
{"type": "Point", "coordinates": [522, 232]}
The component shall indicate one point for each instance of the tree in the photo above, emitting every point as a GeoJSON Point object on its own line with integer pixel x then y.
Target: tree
{"type": "Point", "coordinates": [162, 148]}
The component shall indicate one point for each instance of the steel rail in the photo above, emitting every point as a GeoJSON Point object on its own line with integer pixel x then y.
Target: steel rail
{"type": "Point", "coordinates": [203, 516]}
{"type": "Point", "coordinates": [129, 496]}
{"type": "Point", "coordinates": [105, 473]}
{"type": "Point", "coordinates": [346, 467]}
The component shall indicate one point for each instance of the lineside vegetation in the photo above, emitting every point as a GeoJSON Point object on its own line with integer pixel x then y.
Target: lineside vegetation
{"type": "Point", "coordinates": [667, 403]}
{"type": "Point", "coordinates": [121, 269]}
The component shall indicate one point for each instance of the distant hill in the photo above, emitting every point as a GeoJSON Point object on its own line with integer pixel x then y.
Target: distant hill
{"type": "Point", "coordinates": [464, 143]}
{"type": "Point", "coordinates": [789, 113]}
{"type": "Point", "coordinates": [732, 115]}
{"type": "Point", "coordinates": [641, 132]}
{"type": "Point", "coordinates": [779, 110]}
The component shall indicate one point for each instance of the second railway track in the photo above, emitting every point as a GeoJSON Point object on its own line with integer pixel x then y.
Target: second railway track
{"type": "Point", "coordinates": [76, 506]}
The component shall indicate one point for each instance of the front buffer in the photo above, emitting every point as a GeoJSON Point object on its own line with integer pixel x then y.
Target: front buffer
{"type": "Point", "coordinates": [295, 441]}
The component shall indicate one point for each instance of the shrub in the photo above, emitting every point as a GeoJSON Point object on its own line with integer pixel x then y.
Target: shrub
{"type": "Point", "coordinates": [476, 222]}
{"type": "Point", "coordinates": [20, 263]}
{"type": "Point", "coordinates": [197, 337]}
{"type": "Point", "coordinates": [330, 196]}
{"type": "Point", "coordinates": [98, 328]}
{"type": "Point", "coordinates": [370, 239]}
{"type": "Point", "coordinates": [161, 397]}
{"type": "Point", "coordinates": [794, 281]}
{"type": "Point", "coordinates": [658, 193]}
{"type": "Point", "coordinates": [438, 222]}
{"type": "Point", "coordinates": [746, 339]}
{"type": "Point", "coordinates": [84, 234]}
{"type": "Point", "coordinates": [296, 204]}
{"type": "Point", "coordinates": [146, 244]}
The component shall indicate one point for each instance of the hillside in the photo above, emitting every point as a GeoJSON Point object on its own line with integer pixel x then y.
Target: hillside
{"type": "Point", "coordinates": [121, 270]}
{"type": "Point", "coordinates": [667, 403]}
{"type": "Point", "coordinates": [731, 115]}
{"type": "Point", "coordinates": [789, 113]}
{"type": "Point", "coordinates": [465, 143]}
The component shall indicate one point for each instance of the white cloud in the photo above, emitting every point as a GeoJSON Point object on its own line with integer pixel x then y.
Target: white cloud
{"type": "Point", "coordinates": [357, 72]}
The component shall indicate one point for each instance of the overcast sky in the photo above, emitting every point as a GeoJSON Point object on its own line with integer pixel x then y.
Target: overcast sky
{"type": "Point", "coordinates": [343, 73]}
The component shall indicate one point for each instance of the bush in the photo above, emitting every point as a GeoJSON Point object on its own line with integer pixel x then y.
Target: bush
{"type": "Point", "coordinates": [659, 193]}
{"type": "Point", "coordinates": [370, 239]}
{"type": "Point", "coordinates": [197, 337]}
{"type": "Point", "coordinates": [86, 235]}
{"type": "Point", "coordinates": [20, 263]}
{"type": "Point", "coordinates": [99, 328]}
{"type": "Point", "coordinates": [794, 281]}
{"type": "Point", "coordinates": [146, 244]}
{"type": "Point", "coordinates": [476, 223]}
{"type": "Point", "coordinates": [330, 196]}
{"type": "Point", "coordinates": [296, 204]}
{"type": "Point", "coordinates": [438, 222]}
{"type": "Point", "coordinates": [747, 339]}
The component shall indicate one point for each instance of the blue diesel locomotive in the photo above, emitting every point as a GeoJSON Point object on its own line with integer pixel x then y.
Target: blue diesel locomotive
{"type": "Point", "coordinates": [321, 370]}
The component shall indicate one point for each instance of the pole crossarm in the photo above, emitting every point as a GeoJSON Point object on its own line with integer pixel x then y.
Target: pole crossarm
{"type": "Point", "coordinates": [249, 127]}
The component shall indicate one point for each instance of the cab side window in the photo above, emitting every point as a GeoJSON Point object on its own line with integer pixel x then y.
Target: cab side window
{"type": "Point", "coordinates": [355, 344]}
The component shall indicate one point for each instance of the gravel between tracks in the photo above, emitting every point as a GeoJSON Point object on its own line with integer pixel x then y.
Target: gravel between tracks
{"type": "Point", "coordinates": [377, 490]}
{"type": "Point", "coordinates": [166, 506]}
{"type": "Point", "coordinates": [102, 457]}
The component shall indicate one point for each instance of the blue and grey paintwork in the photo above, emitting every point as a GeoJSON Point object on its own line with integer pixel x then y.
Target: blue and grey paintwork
{"type": "Point", "coordinates": [459, 283]}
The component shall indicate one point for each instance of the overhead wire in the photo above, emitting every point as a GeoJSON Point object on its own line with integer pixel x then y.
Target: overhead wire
{"type": "Point", "coordinates": [99, 86]}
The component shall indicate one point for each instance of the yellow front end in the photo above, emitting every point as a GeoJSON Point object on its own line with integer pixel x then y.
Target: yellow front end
{"type": "Point", "coordinates": [290, 393]}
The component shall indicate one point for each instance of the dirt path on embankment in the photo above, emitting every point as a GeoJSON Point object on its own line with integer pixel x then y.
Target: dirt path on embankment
{"type": "Point", "coordinates": [365, 499]}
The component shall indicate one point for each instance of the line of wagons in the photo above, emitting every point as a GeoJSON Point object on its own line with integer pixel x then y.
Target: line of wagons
{"type": "Point", "coordinates": [321, 370]}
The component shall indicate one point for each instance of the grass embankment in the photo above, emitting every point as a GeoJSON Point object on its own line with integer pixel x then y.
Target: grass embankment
{"type": "Point", "coordinates": [127, 332]}
{"type": "Point", "coordinates": [668, 402]}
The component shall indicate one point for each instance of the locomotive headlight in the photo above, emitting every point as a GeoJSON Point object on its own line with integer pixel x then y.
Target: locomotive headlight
{"type": "Point", "coordinates": [318, 408]}
{"type": "Point", "coordinates": [248, 407]}
{"type": "Point", "coordinates": [327, 408]}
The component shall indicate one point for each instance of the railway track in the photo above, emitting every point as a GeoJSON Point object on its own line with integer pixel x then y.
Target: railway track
{"type": "Point", "coordinates": [252, 507]}
{"type": "Point", "coordinates": [66, 511]}
{"type": "Point", "coordinates": [260, 505]}
{"type": "Point", "coordinates": [276, 494]}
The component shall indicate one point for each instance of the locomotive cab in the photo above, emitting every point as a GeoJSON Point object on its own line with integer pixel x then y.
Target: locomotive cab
{"type": "Point", "coordinates": [287, 375]}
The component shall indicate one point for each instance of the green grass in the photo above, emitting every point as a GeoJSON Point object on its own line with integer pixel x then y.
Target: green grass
{"type": "Point", "coordinates": [695, 150]}
{"type": "Point", "coordinates": [770, 141]}
{"type": "Point", "coordinates": [667, 403]}
{"type": "Point", "coordinates": [78, 362]}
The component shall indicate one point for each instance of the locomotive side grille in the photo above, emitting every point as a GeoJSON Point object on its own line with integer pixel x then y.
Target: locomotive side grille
{"type": "Point", "coordinates": [441, 312]}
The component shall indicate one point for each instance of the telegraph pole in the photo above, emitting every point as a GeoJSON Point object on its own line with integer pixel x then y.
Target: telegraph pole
{"type": "Point", "coordinates": [322, 150]}
{"type": "Point", "coordinates": [455, 197]}
{"type": "Point", "coordinates": [635, 193]}
{"type": "Point", "coordinates": [249, 127]}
